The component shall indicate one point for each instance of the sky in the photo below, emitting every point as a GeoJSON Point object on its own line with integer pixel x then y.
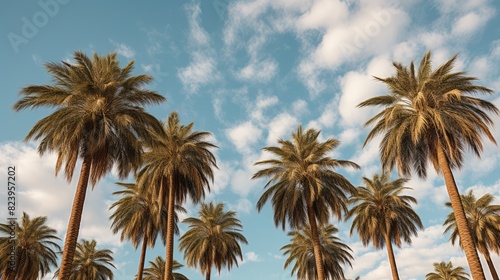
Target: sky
{"type": "Point", "coordinates": [249, 72]}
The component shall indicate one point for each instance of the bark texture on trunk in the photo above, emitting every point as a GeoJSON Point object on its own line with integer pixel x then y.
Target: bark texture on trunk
{"type": "Point", "coordinates": [170, 230]}
{"type": "Point", "coordinates": [469, 247]}
{"type": "Point", "coordinates": [315, 240]}
{"type": "Point", "coordinates": [392, 259]}
{"type": "Point", "coordinates": [142, 259]}
{"type": "Point", "coordinates": [74, 221]}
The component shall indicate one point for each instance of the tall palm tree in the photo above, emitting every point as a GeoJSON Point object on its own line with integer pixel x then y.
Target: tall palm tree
{"type": "Point", "coordinates": [446, 271]}
{"type": "Point", "coordinates": [98, 117]}
{"type": "Point", "coordinates": [383, 215]}
{"type": "Point", "coordinates": [212, 239]}
{"type": "Point", "coordinates": [178, 163]}
{"type": "Point", "coordinates": [432, 115]}
{"type": "Point", "coordinates": [484, 222]}
{"type": "Point", "coordinates": [300, 251]}
{"type": "Point", "coordinates": [135, 215]}
{"type": "Point", "coordinates": [156, 270]}
{"type": "Point", "coordinates": [304, 186]}
{"type": "Point", "coordinates": [35, 252]}
{"type": "Point", "coordinates": [91, 263]}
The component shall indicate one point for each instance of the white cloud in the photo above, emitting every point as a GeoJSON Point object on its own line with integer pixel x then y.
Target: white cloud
{"type": "Point", "coordinates": [198, 35]}
{"type": "Point", "coordinates": [350, 136]}
{"type": "Point", "coordinates": [241, 182]}
{"type": "Point", "coordinates": [243, 136]}
{"type": "Point", "coordinates": [358, 87]}
{"type": "Point", "coordinates": [280, 127]}
{"type": "Point", "coordinates": [471, 22]}
{"type": "Point", "coordinates": [299, 107]}
{"type": "Point", "coordinates": [432, 40]}
{"type": "Point", "coordinates": [323, 14]}
{"type": "Point", "coordinates": [259, 71]}
{"type": "Point", "coordinates": [201, 71]}
{"type": "Point", "coordinates": [242, 206]}
{"type": "Point", "coordinates": [263, 102]}
{"type": "Point", "coordinates": [496, 48]}
{"type": "Point", "coordinates": [327, 118]}
{"type": "Point", "coordinates": [123, 49]}
{"type": "Point", "coordinates": [250, 257]}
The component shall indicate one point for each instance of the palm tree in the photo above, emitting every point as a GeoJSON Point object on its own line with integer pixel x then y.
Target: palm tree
{"type": "Point", "coordinates": [178, 163]}
{"type": "Point", "coordinates": [91, 263]}
{"type": "Point", "coordinates": [431, 115]}
{"type": "Point", "coordinates": [156, 270]}
{"type": "Point", "coordinates": [383, 215]}
{"type": "Point", "coordinates": [212, 239]}
{"type": "Point", "coordinates": [135, 216]}
{"type": "Point", "coordinates": [484, 222]}
{"type": "Point", "coordinates": [98, 117]}
{"type": "Point", "coordinates": [300, 250]}
{"type": "Point", "coordinates": [304, 186]}
{"type": "Point", "coordinates": [446, 271]}
{"type": "Point", "coordinates": [35, 252]}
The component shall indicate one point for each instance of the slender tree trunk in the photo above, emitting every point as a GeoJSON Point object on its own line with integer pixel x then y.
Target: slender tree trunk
{"type": "Point", "coordinates": [315, 241]}
{"type": "Point", "coordinates": [170, 230]}
{"type": "Point", "coordinates": [493, 271]}
{"type": "Point", "coordinates": [392, 259]}
{"type": "Point", "coordinates": [142, 259]}
{"type": "Point", "coordinates": [209, 272]}
{"type": "Point", "coordinates": [161, 200]}
{"type": "Point", "coordinates": [74, 221]}
{"type": "Point", "coordinates": [461, 220]}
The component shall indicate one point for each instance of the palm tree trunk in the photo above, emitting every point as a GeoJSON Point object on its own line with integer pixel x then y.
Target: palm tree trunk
{"type": "Point", "coordinates": [493, 271]}
{"type": "Point", "coordinates": [315, 241]}
{"type": "Point", "coordinates": [169, 256]}
{"type": "Point", "coordinates": [392, 259]}
{"type": "Point", "coordinates": [75, 220]}
{"type": "Point", "coordinates": [142, 259]}
{"type": "Point", "coordinates": [458, 210]}
{"type": "Point", "coordinates": [209, 271]}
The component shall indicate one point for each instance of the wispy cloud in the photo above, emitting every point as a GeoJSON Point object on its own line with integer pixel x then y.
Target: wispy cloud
{"type": "Point", "coordinates": [201, 71]}
{"type": "Point", "coordinates": [123, 49]}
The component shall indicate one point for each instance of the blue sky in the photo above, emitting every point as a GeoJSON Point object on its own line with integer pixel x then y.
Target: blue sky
{"type": "Point", "coordinates": [250, 72]}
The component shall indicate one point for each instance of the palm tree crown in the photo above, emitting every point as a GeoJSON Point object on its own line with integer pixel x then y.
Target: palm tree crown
{"type": "Point", "coordinates": [212, 239]}
{"type": "Point", "coordinates": [98, 114]}
{"type": "Point", "coordinates": [98, 117]}
{"type": "Point", "coordinates": [135, 215]}
{"type": "Point", "coordinates": [36, 249]}
{"type": "Point", "coordinates": [446, 271]}
{"type": "Point", "coordinates": [303, 184]}
{"type": "Point", "coordinates": [177, 164]}
{"type": "Point", "coordinates": [91, 263]}
{"type": "Point", "coordinates": [156, 270]}
{"type": "Point", "coordinates": [484, 221]}
{"type": "Point", "coordinates": [429, 110]}
{"type": "Point", "coordinates": [383, 215]}
{"type": "Point", "coordinates": [300, 251]}
{"type": "Point", "coordinates": [432, 115]}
